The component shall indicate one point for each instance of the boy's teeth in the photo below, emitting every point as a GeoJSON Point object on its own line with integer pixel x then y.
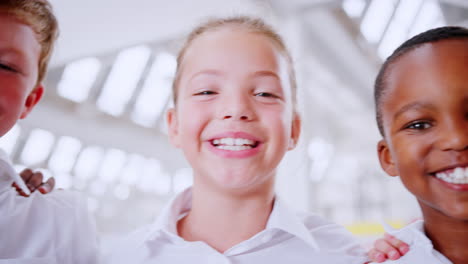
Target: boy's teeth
{"type": "Point", "coordinates": [457, 176]}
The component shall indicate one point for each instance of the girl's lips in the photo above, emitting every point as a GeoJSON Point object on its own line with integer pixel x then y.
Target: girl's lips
{"type": "Point", "coordinates": [236, 135]}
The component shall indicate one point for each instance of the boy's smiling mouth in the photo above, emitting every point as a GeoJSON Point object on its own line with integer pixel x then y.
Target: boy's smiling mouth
{"type": "Point", "coordinates": [455, 175]}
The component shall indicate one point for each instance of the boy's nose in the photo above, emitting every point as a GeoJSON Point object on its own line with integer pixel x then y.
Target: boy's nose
{"type": "Point", "coordinates": [455, 137]}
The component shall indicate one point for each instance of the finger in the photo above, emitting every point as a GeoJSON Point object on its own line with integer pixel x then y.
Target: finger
{"type": "Point", "coordinates": [376, 256]}
{"type": "Point", "coordinates": [26, 174]}
{"type": "Point", "coordinates": [48, 186]}
{"type": "Point", "coordinates": [402, 247]}
{"type": "Point", "coordinates": [386, 248]}
{"type": "Point", "coordinates": [18, 190]}
{"type": "Point", "coordinates": [35, 181]}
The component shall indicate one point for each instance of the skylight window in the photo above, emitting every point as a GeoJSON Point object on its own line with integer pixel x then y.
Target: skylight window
{"type": "Point", "coordinates": [123, 79]}
{"type": "Point", "coordinates": [112, 165]}
{"type": "Point", "coordinates": [354, 8]}
{"type": "Point", "coordinates": [133, 169]}
{"type": "Point", "coordinates": [430, 16]}
{"type": "Point", "coordinates": [376, 19]}
{"type": "Point", "coordinates": [37, 147]}
{"type": "Point", "coordinates": [156, 91]}
{"type": "Point", "coordinates": [399, 27]}
{"type": "Point", "coordinates": [64, 156]}
{"type": "Point", "coordinates": [88, 162]}
{"type": "Point", "coordinates": [78, 79]}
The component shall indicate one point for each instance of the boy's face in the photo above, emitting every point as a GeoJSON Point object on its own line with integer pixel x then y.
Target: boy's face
{"type": "Point", "coordinates": [19, 57]}
{"type": "Point", "coordinates": [425, 117]}
{"type": "Point", "coordinates": [234, 117]}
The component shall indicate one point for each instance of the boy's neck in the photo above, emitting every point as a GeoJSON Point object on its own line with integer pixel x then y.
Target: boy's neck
{"type": "Point", "coordinates": [223, 220]}
{"type": "Point", "coordinates": [448, 235]}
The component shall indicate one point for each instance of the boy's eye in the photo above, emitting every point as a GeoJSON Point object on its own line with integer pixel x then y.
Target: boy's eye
{"type": "Point", "coordinates": [205, 93]}
{"type": "Point", "coordinates": [6, 67]}
{"type": "Point", "coordinates": [419, 125]}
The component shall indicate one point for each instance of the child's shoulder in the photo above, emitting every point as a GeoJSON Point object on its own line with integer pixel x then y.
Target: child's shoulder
{"type": "Point", "coordinates": [330, 235]}
{"type": "Point", "coordinates": [421, 248]}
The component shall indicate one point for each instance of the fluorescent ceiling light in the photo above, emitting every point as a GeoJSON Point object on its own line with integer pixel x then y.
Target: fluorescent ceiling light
{"type": "Point", "coordinates": [78, 79]}
{"type": "Point", "coordinates": [156, 91]}
{"type": "Point", "coordinates": [37, 147]}
{"type": "Point", "coordinates": [376, 19]}
{"type": "Point", "coordinates": [64, 156]}
{"type": "Point", "coordinates": [123, 79]}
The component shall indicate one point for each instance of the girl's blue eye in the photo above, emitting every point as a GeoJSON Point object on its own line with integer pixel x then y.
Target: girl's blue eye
{"type": "Point", "coordinates": [205, 93]}
{"type": "Point", "coordinates": [419, 125]}
{"type": "Point", "coordinates": [262, 94]}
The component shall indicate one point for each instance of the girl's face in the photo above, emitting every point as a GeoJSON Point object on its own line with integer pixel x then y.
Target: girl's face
{"type": "Point", "coordinates": [234, 117]}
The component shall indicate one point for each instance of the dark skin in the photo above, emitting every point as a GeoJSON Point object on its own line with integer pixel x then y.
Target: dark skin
{"type": "Point", "coordinates": [425, 120]}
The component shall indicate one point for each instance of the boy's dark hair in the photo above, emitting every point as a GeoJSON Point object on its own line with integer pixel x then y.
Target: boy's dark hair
{"type": "Point", "coordinates": [430, 36]}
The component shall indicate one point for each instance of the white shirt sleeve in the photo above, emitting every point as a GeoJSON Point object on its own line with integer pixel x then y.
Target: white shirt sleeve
{"type": "Point", "coordinates": [51, 228]}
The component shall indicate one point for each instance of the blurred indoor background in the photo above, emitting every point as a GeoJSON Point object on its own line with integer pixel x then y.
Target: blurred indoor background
{"type": "Point", "coordinates": [101, 128]}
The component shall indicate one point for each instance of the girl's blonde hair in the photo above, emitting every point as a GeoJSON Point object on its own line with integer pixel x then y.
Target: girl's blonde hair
{"type": "Point", "coordinates": [38, 15]}
{"type": "Point", "coordinates": [250, 24]}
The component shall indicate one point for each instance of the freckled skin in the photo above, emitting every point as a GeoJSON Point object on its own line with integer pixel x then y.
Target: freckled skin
{"type": "Point", "coordinates": [425, 119]}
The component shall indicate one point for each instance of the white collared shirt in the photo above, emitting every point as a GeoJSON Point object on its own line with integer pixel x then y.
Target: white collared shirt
{"type": "Point", "coordinates": [421, 249]}
{"type": "Point", "coordinates": [43, 229]}
{"type": "Point", "coordinates": [287, 238]}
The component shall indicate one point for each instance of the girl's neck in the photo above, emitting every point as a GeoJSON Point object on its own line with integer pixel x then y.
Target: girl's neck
{"type": "Point", "coordinates": [448, 235]}
{"type": "Point", "coordinates": [223, 219]}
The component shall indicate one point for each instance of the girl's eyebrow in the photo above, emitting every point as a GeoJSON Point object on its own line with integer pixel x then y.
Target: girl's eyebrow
{"type": "Point", "coordinates": [206, 72]}
{"type": "Point", "coordinates": [265, 73]}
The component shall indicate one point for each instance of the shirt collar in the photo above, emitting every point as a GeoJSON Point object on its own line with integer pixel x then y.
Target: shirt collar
{"type": "Point", "coordinates": [285, 219]}
{"type": "Point", "coordinates": [281, 218]}
{"type": "Point", "coordinates": [171, 214]}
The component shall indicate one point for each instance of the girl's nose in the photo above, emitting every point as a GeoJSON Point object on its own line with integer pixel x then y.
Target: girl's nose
{"type": "Point", "coordinates": [242, 117]}
{"type": "Point", "coordinates": [237, 108]}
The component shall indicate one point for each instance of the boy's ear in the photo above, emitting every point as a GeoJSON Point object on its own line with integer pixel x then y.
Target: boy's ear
{"type": "Point", "coordinates": [385, 157]}
{"type": "Point", "coordinates": [173, 127]}
{"type": "Point", "coordinates": [295, 131]}
{"type": "Point", "coordinates": [33, 98]}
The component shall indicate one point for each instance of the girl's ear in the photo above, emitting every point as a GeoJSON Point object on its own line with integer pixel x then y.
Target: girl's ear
{"type": "Point", "coordinates": [386, 159]}
{"type": "Point", "coordinates": [33, 98]}
{"type": "Point", "coordinates": [295, 131]}
{"type": "Point", "coordinates": [173, 127]}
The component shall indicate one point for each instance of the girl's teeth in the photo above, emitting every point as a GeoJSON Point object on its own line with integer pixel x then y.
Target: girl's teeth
{"type": "Point", "coordinates": [233, 141]}
{"type": "Point", "coordinates": [234, 148]}
{"type": "Point", "coordinates": [457, 176]}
